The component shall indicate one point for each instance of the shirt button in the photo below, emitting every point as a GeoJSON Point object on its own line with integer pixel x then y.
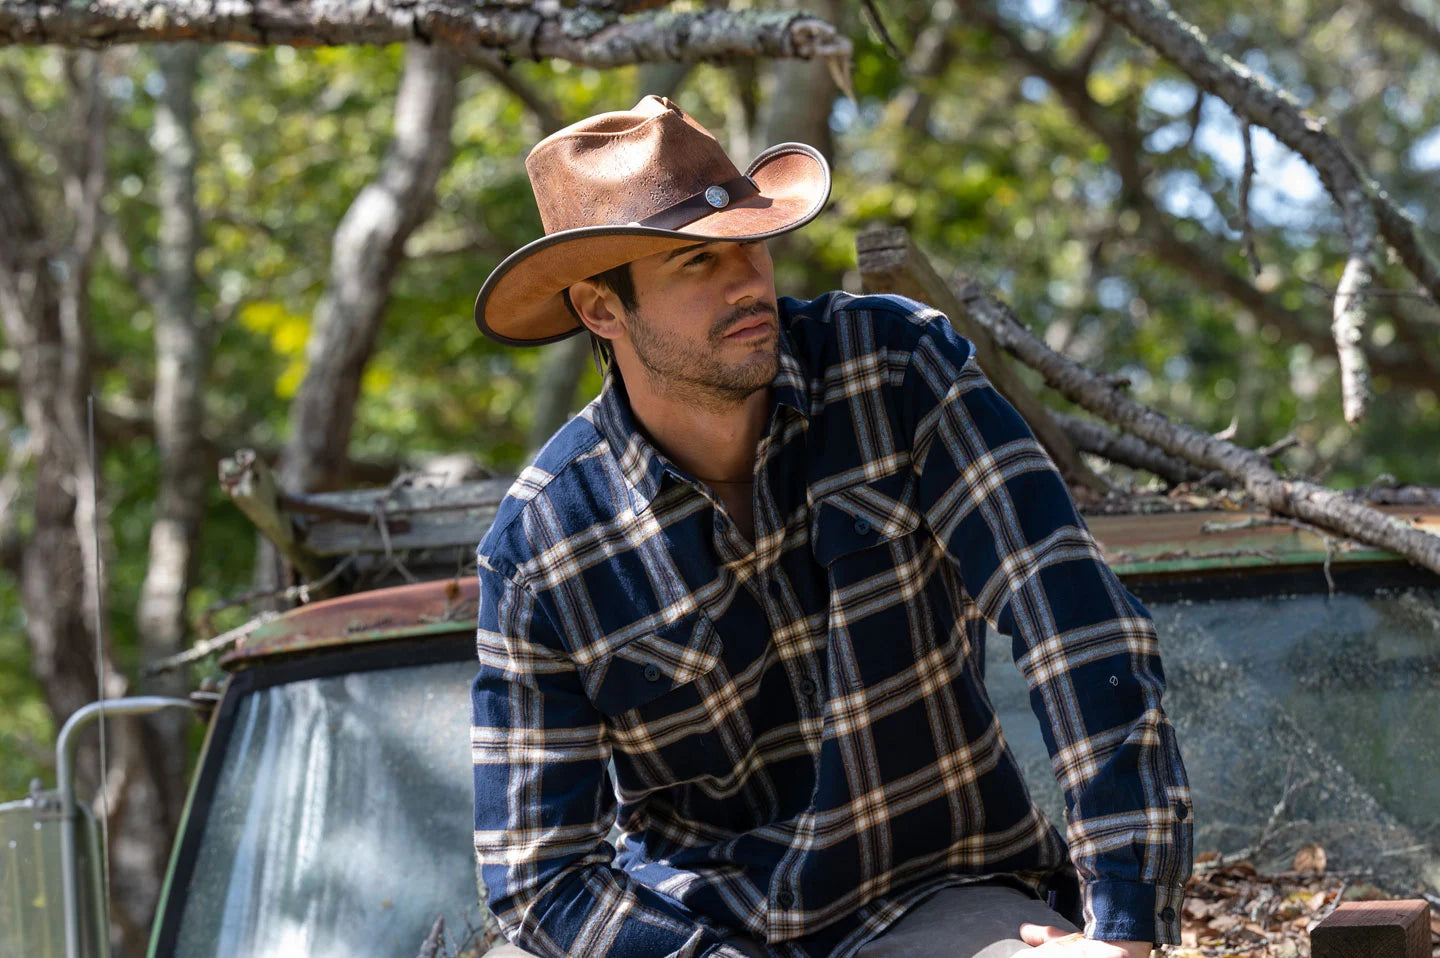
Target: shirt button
{"type": "Point", "coordinates": [1181, 812]}
{"type": "Point", "coordinates": [652, 673]}
{"type": "Point", "coordinates": [862, 526]}
{"type": "Point", "coordinates": [808, 686]}
{"type": "Point", "coordinates": [785, 899]}
{"type": "Point", "coordinates": [1167, 914]}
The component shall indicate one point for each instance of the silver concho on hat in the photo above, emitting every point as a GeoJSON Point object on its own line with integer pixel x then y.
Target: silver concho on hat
{"type": "Point", "coordinates": [717, 197]}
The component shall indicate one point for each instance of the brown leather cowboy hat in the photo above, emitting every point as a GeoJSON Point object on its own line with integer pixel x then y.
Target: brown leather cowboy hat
{"type": "Point", "coordinates": [617, 187]}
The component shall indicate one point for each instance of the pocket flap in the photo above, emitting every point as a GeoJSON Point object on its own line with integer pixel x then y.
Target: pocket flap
{"type": "Point", "coordinates": [862, 517]}
{"type": "Point", "coordinates": [653, 664]}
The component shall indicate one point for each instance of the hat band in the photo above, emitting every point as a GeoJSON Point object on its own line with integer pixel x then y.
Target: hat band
{"type": "Point", "coordinates": [707, 201]}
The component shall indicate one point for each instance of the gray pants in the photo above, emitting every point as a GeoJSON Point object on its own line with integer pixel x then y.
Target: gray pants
{"type": "Point", "coordinates": [970, 921]}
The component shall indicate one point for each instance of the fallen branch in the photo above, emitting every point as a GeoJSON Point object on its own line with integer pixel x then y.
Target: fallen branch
{"type": "Point", "coordinates": [1362, 204]}
{"type": "Point", "coordinates": [592, 34]}
{"type": "Point", "coordinates": [1099, 440]}
{"type": "Point", "coordinates": [1329, 509]}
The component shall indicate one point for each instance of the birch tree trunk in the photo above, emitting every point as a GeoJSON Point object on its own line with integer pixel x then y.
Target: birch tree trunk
{"type": "Point", "coordinates": [367, 251]}
{"type": "Point", "coordinates": [181, 360]}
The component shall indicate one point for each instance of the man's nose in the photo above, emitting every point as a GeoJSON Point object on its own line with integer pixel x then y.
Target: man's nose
{"type": "Point", "coordinates": [746, 276]}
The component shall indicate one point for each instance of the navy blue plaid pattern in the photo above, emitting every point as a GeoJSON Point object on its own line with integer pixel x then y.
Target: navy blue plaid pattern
{"type": "Point", "coordinates": [802, 743]}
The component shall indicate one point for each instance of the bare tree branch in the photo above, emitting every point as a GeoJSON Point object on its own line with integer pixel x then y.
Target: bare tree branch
{"type": "Point", "coordinates": [1327, 508]}
{"type": "Point", "coordinates": [1162, 239]}
{"type": "Point", "coordinates": [545, 112]}
{"type": "Point", "coordinates": [591, 33]}
{"type": "Point", "coordinates": [1247, 177]}
{"type": "Point", "coordinates": [1362, 204]}
{"type": "Point", "coordinates": [1399, 14]}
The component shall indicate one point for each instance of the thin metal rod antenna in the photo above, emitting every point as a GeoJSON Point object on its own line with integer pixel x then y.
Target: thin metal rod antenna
{"type": "Point", "coordinates": [99, 660]}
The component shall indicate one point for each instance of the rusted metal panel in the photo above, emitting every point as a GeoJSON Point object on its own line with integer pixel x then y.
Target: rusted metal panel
{"type": "Point", "coordinates": [441, 608]}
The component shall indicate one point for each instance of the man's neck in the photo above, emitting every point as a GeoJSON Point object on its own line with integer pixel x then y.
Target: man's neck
{"type": "Point", "coordinates": [708, 438]}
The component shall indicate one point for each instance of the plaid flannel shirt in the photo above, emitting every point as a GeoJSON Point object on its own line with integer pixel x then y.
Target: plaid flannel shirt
{"type": "Point", "coordinates": [802, 743]}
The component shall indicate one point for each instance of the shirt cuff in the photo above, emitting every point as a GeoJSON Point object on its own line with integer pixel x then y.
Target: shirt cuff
{"type": "Point", "coordinates": [1133, 911]}
{"type": "Point", "coordinates": [724, 950]}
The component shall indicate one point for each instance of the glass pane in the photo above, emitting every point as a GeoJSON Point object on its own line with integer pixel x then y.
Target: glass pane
{"type": "Point", "coordinates": [1329, 703]}
{"type": "Point", "coordinates": [341, 824]}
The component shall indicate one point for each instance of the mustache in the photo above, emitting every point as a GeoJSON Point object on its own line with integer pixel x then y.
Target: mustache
{"type": "Point", "coordinates": [729, 322]}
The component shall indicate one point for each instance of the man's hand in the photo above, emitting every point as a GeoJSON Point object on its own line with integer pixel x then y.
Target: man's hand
{"type": "Point", "coordinates": [1062, 944]}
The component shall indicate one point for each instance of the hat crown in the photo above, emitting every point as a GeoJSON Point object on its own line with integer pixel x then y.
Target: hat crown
{"type": "Point", "coordinates": [622, 167]}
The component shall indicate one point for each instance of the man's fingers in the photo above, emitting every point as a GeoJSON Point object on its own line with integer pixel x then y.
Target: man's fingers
{"type": "Point", "coordinates": [1043, 934]}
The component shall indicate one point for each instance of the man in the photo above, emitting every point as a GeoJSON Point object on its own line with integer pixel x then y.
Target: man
{"type": "Point", "coordinates": [755, 575]}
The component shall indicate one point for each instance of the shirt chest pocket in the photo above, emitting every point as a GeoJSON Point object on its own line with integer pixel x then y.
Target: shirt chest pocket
{"type": "Point", "coordinates": [668, 697]}
{"type": "Point", "coordinates": [862, 518]}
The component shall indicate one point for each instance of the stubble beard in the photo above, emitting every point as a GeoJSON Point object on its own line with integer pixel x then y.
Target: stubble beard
{"type": "Point", "coordinates": [696, 374]}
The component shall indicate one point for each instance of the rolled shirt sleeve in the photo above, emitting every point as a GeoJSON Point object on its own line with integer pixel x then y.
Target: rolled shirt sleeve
{"type": "Point", "coordinates": [544, 804]}
{"type": "Point", "coordinates": [1086, 647]}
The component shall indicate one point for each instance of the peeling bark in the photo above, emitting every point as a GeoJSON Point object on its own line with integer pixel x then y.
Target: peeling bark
{"type": "Point", "coordinates": [367, 252]}
{"type": "Point", "coordinates": [593, 34]}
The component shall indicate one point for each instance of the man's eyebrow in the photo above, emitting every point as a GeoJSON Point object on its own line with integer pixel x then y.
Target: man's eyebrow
{"type": "Point", "coordinates": [683, 250]}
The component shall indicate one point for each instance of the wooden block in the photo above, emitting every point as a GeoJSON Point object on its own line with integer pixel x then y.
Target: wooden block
{"type": "Point", "coordinates": [1374, 929]}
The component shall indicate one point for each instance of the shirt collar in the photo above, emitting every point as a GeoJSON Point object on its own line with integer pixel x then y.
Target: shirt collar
{"type": "Point", "coordinates": [643, 466]}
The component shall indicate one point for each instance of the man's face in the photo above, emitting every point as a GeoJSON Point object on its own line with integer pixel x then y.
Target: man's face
{"type": "Point", "coordinates": [705, 325]}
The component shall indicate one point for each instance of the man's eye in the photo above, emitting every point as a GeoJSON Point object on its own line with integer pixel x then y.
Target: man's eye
{"type": "Point", "coordinates": [699, 258]}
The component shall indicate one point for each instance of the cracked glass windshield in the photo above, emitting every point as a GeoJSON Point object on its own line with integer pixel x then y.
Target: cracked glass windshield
{"type": "Point", "coordinates": [1302, 718]}
{"type": "Point", "coordinates": [341, 822]}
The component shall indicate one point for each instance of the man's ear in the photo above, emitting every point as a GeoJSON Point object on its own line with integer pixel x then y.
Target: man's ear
{"type": "Point", "coordinates": [598, 308]}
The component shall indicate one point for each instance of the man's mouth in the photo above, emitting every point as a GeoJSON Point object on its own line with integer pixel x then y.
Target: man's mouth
{"type": "Point", "coordinates": [751, 325]}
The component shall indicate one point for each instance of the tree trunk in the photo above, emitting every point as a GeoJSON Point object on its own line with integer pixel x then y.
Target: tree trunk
{"type": "Point", "coordinates": [53, 376]}
{"type": "Point", "coordinates": [800, 95]}
{"type": "Point", "coordinates": [560, 373]}
{"type": "Point", "coordinates": [143, 837]}
{"type": "Point", "coordinates": [365, 256]}
{"type": "Point", "coordinates": [44, 279]}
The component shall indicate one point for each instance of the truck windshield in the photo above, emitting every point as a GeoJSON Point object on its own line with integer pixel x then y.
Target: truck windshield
{"type": "Point", "coordinates": [341, 819]}
{"type": "Point", "coordinates": [1302, 719]}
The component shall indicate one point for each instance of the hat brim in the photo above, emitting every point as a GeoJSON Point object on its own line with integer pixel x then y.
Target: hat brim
{"type": "Point", "coordinates": [522, 302]}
